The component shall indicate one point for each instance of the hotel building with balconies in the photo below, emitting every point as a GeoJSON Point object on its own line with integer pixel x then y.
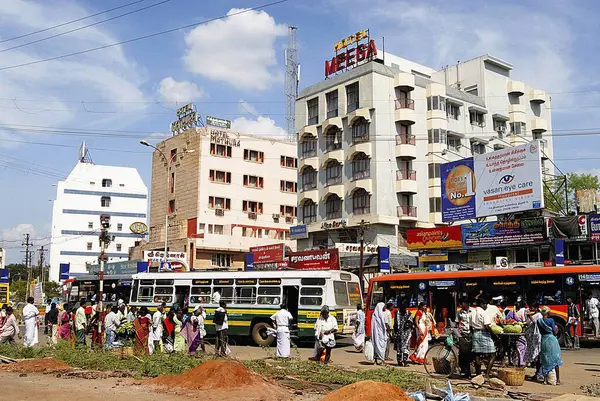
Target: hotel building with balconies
{"type": "Point", "coordinates": [371, 141]}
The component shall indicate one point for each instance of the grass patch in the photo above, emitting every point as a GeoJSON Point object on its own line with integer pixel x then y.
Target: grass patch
{"type": "Point", "coordinates": [86, 358]}
{"type": "Point", "coordinates": [332, 374]}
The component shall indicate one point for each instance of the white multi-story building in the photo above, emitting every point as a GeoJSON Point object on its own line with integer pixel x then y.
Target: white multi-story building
{"type": "Point", "coordinates": [371, 141]}
{"type": "Point", "coordinates": [225, 192]}
{"type": "Point", "coordinates": [89, 191]}
{"type": "Point", "coordinates": [2, 258]}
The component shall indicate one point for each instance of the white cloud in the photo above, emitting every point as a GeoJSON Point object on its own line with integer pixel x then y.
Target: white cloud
{"type": "Point", "coordinates": [239, 50]}
{"type": "Point", "coordinates": [182, 92]}
{"type": "Point", "coordinates": [263, 126]}
{"type": "Point", "coordinates": [50, 93]}
{"type": "Point", "coordinates": [17, 233]}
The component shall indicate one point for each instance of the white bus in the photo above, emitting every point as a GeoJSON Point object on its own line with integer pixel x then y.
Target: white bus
{"type": "Point", "coordinates": [252, 297]}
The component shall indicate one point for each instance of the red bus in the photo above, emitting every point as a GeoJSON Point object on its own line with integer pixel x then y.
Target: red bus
{"type": "Point", "coordinates": [442, 291]}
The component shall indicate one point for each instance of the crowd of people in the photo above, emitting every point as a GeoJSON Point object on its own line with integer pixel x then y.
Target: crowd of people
{"type": "Point", "coordinates": [478, 343]}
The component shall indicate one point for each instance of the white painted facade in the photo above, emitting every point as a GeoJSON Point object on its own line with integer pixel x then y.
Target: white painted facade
{"type": "Point", "coordinates": [2, 258]}
{"type": "Point", "coordinates": [408, 134]}
{"type": "Point", "coordinates": [89, 191]}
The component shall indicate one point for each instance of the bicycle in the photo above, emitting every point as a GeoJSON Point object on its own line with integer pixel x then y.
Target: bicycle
{"type": "Point", "coordinates": [442, 358]}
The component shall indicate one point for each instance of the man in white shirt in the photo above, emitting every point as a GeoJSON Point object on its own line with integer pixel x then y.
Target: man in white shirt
{"type": "Point", "coordinates": [216, 297]}
{"type": "Point", "coordinates": [325, 328]}
{"type": "Point", "coordinates": [30, 315]}
{"type": "Point", "coordinates": [111, 322]}
{"type": "Point", "coordinates": [221, 326]}
{"type": "Point", "coordinates": [483, 343]}
{"type": "Point", "coordinates": [282, 319]}
{"type": "Point", "coordinates": [594, 313]}
{"type": "Point", "coordinates": [157, 327]}
{"type": "Point", "coordinates": [80, 323]}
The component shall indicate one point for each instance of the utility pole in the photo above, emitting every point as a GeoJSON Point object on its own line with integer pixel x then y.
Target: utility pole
{"type": "Point", "coordinates": [27, 245]}
{"type": "Point", "coordinates": [104, 242]}
{"type": "Point", "coordinates": [361, 266]}
{"type": "Point", "coordinates": [41, 265]}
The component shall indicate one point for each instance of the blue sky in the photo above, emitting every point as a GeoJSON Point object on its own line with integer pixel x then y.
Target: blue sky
{"type": "Point", "coordinates": [130, 92]}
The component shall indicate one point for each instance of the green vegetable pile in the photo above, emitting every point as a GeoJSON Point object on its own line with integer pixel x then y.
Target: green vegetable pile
{"type": "Point", "coordinates": [497, 329]}
{"type": "Point", "coordinates": [513, 328]}
{"type": "Point", "coordinates": [126, 329]}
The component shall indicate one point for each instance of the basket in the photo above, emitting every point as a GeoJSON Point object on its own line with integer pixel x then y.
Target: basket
{"type": "Point", "coordinates": [512, 376]}
{"type": "Point", "coordinates": [123, 352]}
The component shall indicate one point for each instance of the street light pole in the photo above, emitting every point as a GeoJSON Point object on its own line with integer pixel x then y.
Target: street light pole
{"type": "Point", "coordinates": [169, 160]}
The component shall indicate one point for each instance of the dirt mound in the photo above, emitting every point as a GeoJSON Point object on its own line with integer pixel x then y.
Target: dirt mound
{"type": "Point", "coordinates": [228, 380]}
{"type": "Point", "coordinates": [47, 365]}
{"type": "Point", "coordinates": [368, 390]}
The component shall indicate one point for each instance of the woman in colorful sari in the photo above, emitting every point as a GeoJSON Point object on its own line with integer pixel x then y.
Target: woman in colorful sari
{"type": "Point", "coordinates": [550, 349]}
{"type": "Point", "coordinates": [179, 344]}
{"type": "Point", "coordinates": [403, 328]}
{"type": "Point", "coordinates": [422, 344]}
{"type": "Point", "coordinates": [190, 333]}
{"type": "Point", "coordinates": [141, 325]}
{"type": "Point", "coordinates": [64, 323]}
{"type": "Point", "coordinates": [169, 332]}
{"type": "Point", "coordinates": [519, 314]}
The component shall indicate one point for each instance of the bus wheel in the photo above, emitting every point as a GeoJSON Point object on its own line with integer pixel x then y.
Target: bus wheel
{"type": "Point", "coordinates": [259, 334]}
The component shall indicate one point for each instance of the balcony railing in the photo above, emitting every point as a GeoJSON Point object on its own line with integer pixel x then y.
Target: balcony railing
{"type": "Point", "coordinates": [313, 120]}
{"type": "Point", "coordinates": [307, 186]}
{"type": "Point", "coordinates": [332, 113]}
{"type": "Point", "coordinates": [404, 174]}
{"type": "Point", "coordinates": [308, 149]}
{"type": "Point", "coordinates": [405, 140]}
{"type": "Point", "coordinates": [359, 175]}
{"type": "Point", "coordinates": [407, 211]}
{"type": "Point", "coordinates": [360, 139]}
{"type": "Point", "coordinates": [334, 180]}
{"type": "Point", "coordinates": [333, 215]}
{"type": "Point", "coordinates": [309, 219]}
{"type": "Point", "coordinates": [333, 146]}
{"type": "Point", "coordinates": [362, 210]}
{"type": "Point", "coordinates": [405, 104]}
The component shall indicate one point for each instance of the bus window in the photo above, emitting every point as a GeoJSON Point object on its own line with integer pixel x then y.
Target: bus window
{"type": "Point", "coordinates": [311, 291]}
{"type": "Point", "coordinates": [200, 295]}
{"type": "Point", "coordinates": [145, 293]}
{"type": "Point", "coordinates": [340, 292]}
{"type": "Point", "coordinates": [345, 276]}
{"type": "Point", "coordinates": [226, 294]}
{"type": "Point", "coordinates": [376, 294]}
{"type": "Point", "coordinates": [245, 295]}
{"type": "Point", "coordinates": [269, 295]}
{"type": "Point", "coordinates": [134, 290]}
{"type": "Point", "coordinates": [311, 301]}
{"type": "Point", "coordinates": [164, 282]}
{"type": "Point", "coordinates": [312, 281]}
{"type": "Point", "coordinates": [163, 298]}
{"type": "Point", "coordinates": [546, 290]}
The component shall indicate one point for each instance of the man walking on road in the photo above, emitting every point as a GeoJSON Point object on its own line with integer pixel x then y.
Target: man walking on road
{"type": "Point", "coordinates": [80, 323]}
{"type": "Point", "coordinates": [30, 315]}
{"type": "Point", "coordinates": [157, 328]}
{"type": "Point", "coordinates": [220, 321]}
{"type": "Point", "coordinates": [52, 323]}
{"type": "Point", "coordinates": [282, 319]}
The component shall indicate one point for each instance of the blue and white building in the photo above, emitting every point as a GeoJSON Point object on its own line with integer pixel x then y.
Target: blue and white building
{"type": "Point", "coordinates": [89, 191]}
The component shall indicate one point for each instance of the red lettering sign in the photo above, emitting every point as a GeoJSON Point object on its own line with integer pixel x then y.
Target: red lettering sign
{"type": "Point", "coordinates": [351, 57]}
{"type": "Point", "coordinates": [321, 259]}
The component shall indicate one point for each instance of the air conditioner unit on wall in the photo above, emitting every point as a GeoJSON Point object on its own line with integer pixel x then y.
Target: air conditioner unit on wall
{"type": "Point", "coordinates": [289, 220]}
{"type": "Point", "coordinates": [219, 212]}
{"type": "Point", "coordinates": [252, 215]}
{"type": "Point", "coordinates": [276, 216]}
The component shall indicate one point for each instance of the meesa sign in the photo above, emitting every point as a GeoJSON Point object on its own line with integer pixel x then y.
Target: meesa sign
{"type": "Point", "coordinates": [350, 52]}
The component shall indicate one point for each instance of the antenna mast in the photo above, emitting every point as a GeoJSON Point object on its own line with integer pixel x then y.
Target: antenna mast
{"type": "Point", "coordinates": [84, 154]}
{"type": "Point", "coordinates": [292, 79]}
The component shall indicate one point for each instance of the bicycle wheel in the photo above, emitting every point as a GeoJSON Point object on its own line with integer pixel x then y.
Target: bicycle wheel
{"type": "Point", "coordinates": [514, 358]}
{"type": "Point", "coordinates": [441, 360]}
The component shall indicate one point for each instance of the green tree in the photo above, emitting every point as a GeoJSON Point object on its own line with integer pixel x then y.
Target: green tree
{"type": "Point", "coordinates": [52, 289]}
{"type": "Point", "coordinates": [554, 191]}
{"type": "Point", "coordinates": [17, 272]}
{"type": "Point", "coordinates": [19, 289]}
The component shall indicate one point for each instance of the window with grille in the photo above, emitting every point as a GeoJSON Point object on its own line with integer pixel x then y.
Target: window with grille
{"type": "Point", "coordinates": [221, 177]}
{"type": "Point", "coordinates": [309, 211]}
{"type": "Point", "coordinates": [452, 111]}
{"type": "Point", "coordinates": [287, 186]}
{"type": "Point", "coordinates": [254, 156]}
{"type": "Point", "coordinates": [352, 97]}
{"type": "Point", "coordinates": [309, 178]}
{"type": "Point", "coordinates": [120, 227]}
{"type": "Point", "coordinates": [333, 207]}
{"type": "Point", "coordinates": [332, 104]}
{"type": "Point", "coordinates": [360, 131]}
{"type": "Point", "coordinates": [361, 166]}
{"type": "Point", "coordinates": [436, 103]}
{"type": "Point", "coordinates": [220, 150]}
{"type": "Point", "coordinates": [222, 260]}
{"type": "Point", "coordinates": [253, 181]}
{"type": "Point", "coordinates": [477, 118]}
{"type": "Point", "coordinates": [252, 206]}
{"type": "Point", "coordinates": [106, 183]}
{"type": "Point", "coordinates": [289, 211]}
{"type": "Point", "coordinates": [361, 202]}
{"type": "Point", "coordinates": [289, 162]}
{"type": "Point", "coordinates": [435, 205]}
{"type": "Point", "coordinates": [308, 147]}
{"type": "Point", "coordinates": [313, 111]}
{"type": "Point", "coordinates": [333, 172]}
{"type": "Point", "coordinates": [215, 202]}
{"type": "Point", "coordinates": [434, 170]}
{"type": "Point", "coordinates": [333, 139]}
{"type": "Point", "coordinates": [454, 142]}
{"type": "Point", "coordinates": [436, 135]}
{"type": "Point", "coordinates": [105, 201]}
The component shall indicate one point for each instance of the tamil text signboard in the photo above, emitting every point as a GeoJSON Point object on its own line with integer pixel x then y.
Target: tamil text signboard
{"type": "Point", "coordinates": [434, 238]}
{"type": "Point", "coordinates": [503, 233]}
{"type": "Point", "coordinates": [268, 253]}
{"type": "Point", "coordinates": [320, 259]}
{"type": "Point", "coordinates": [495, 183]}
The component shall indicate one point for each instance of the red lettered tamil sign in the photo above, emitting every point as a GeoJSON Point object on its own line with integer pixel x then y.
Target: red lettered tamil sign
{"type": "Point", "coordinates": [434, 238]}
{"type": "Point", "coordinates": [320, 259]}
{"type": "Point", "coordinates": [268, 253]}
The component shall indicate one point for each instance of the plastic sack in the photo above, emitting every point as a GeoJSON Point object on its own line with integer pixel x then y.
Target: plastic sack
{"type": "Point", "coordinates": [450, 396]}
{"type": "Point", "coordinates": [418, 396]}
{"type": "Point", "coordinates": [551, 378]}
{"type": "Point", "coordinates": [369, 351]}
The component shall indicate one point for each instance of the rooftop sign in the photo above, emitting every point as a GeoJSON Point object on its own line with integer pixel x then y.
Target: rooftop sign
{"type": "Point", "coordinates": [347, 57]}
{"type": "Point", "coordinates": [186, 118]}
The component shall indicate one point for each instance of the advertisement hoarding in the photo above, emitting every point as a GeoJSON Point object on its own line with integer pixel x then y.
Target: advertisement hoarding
{"type": "Point", "coordinates": [299, 232]}
{"type": "Point", "coordinates": [355, 248]}
{"type": "Point", "coordinates": [503, 233]}
{"type": "Point", "coordinates": [268, 253]}
{"type": "Point", "coordinates": [319, 259]}
{"type": "Point", "coordinates": [594, 220]}
{"type": "Point", "coordinates": [500, 182]}
{"type": "Point", "coordinates": [434, 238]}
{"type": "Point", "coordinates": [218, 122]}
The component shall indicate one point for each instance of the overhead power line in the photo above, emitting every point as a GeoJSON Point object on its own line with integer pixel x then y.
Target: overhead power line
{"type": "Point", "coordinates": [70, 22]}
{"type": "Point", "coordinates": [145, 36]}
{"type": "Point", "coordinates": [84, 27]}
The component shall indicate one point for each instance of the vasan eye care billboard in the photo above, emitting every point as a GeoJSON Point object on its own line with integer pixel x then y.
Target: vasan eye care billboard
{"type": "Point", "coordinates": [500, 182]}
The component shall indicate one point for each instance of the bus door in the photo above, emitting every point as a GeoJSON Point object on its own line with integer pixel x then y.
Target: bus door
{"type": "Point", "coordinates": [443, 301]}
{"type": "Point", "coordinates": [182, 295]}
{"type": "Point", "coordinates": [291, 295]}
{"type": "Point", "coordinates": [589, 286]}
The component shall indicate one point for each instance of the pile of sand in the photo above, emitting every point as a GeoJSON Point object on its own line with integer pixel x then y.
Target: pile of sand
{"type": "Point", "coordinates": [368, 390]}
{"type": "Point", "coordinates": [47, 365]}
{"type": "Point", "coordinates": [226, 380]}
